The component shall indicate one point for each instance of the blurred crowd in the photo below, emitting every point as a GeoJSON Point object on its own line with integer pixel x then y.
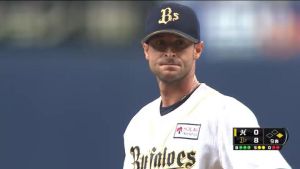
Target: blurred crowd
{"type": "Point", "coordinates": [228, 28]}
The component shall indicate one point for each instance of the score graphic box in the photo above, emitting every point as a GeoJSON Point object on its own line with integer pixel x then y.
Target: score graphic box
{"type": "Point", "coordinates": [259, 138]}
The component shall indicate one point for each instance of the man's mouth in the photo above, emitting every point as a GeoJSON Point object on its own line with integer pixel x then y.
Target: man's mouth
{"type": "Point", "coordinates": [169, 63]}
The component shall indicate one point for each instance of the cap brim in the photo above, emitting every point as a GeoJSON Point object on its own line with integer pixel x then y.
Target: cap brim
{"type": "Point", "coordinates": [176, 32]}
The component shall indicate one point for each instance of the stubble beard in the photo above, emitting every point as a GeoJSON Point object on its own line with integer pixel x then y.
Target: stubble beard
{"type": "Point", "coordinates": [171, 78]}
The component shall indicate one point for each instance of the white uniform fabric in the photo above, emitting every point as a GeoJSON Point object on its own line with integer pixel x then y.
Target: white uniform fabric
{"type": "Point", "coordinates": [198, 135]}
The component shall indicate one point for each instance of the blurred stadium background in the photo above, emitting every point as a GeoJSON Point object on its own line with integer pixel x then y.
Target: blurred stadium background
{"type": "Point", "coordinates": [73, 74]}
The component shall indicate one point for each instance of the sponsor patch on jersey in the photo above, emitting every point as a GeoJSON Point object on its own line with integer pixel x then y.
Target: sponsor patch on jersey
{"type": "Point", "coordinates": [187, 131]}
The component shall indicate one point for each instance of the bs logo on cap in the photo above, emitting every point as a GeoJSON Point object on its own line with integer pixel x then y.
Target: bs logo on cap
{"type": "Point", "coordinates": [168, 16]}
{"type": "Point", "coordinates": [173, 18]}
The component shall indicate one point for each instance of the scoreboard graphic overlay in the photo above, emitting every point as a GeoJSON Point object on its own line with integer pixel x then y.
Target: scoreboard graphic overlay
{"type": "Point", "coordinates": [259, 138]}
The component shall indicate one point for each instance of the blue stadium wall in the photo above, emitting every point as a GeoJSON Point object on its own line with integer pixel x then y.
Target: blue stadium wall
{"type": "Point", "coordinates": [68, 108]}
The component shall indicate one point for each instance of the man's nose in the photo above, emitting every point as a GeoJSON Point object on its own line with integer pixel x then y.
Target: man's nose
{"type": "Point", "coordinates": [169, 52]}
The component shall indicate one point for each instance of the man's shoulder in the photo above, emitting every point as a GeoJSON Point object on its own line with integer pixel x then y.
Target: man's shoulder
{"type": "Point", "coordinates": [218, 97]}
{"type": "Point", "coordinates": [149, 108]}
{"type": "Point", "coordinates": [223, 102]}
{"type": "Point", "coordinates": [145, 113]}
{"type": "Point", "coordinates": [211, 95]}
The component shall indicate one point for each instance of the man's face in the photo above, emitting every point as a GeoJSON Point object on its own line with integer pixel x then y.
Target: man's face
{"type": "Point", "coordinates": [171, 57]}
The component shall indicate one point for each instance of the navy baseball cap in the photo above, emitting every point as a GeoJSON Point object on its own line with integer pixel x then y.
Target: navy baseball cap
{"type": "Point", "coordinates": [173, 18]}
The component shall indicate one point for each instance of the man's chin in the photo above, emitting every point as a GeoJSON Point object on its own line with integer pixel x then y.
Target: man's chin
{"type": "Point", "coordinates": [168, 77]}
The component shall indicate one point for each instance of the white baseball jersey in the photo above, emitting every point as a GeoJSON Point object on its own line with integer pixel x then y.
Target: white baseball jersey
{"type": "Point", "coordinates": [197, 134]}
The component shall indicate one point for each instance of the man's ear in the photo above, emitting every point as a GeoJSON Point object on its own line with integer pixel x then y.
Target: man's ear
{"type": "Point", "coordinates": [146, 50]}
{"type": "Point", "coordinates": [199, 47]}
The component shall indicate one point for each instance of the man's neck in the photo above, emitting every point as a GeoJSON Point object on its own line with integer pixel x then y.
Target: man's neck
{"type": "Point", "coordinates": [174, 92]}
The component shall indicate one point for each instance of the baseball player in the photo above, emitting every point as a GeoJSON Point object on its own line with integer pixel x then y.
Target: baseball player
{"type": "Point", "coordinates": [190, 125]}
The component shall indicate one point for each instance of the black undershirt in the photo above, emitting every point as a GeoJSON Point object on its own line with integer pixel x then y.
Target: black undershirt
{"type": "Point", "coordinates": [168, 109]}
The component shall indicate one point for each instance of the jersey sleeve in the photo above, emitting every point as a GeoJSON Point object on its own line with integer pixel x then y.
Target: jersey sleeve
{"type": "Point", "coordinates": [234, 114]}
{"type": "Point", "coordinates": [126, 163]}
{"type": "Point", "coordinates": [127, 139]}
